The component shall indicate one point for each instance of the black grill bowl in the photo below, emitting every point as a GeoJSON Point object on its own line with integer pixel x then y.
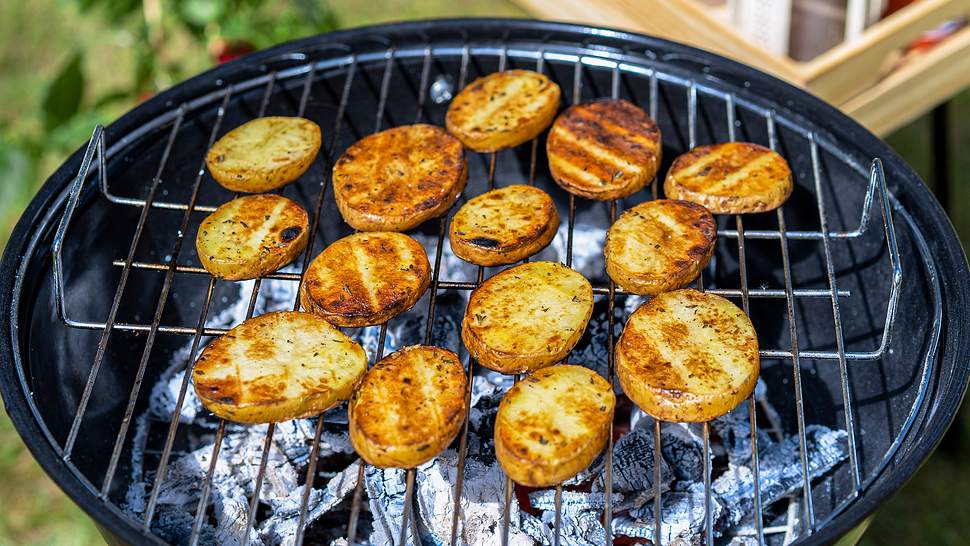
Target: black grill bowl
{"type": "Point", "coordinates": [902, 402]}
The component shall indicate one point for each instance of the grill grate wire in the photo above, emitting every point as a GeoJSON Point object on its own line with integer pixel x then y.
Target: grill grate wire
{"type": "Point", "coordinates": [876, 186]}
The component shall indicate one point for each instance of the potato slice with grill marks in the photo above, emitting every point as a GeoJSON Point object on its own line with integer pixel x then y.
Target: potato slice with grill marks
{"type": "Point", "coordinates": [659, 245]}
{"type": "Point", "coordinates": [731, 178]}
{"type": "Point", "coordinates": [366, 279]}
{"type": "Point", "coordinates": [252, 236]}
{"type": "Point", "coordinates": [605, 149]}
{"type": "Point", "coordinates": [552, 424]}
{"type": "Point", "coordinates": [399, 178]}
{"type": "Point", "coordinates": [504, 226]}
{"type": "Point", "coordinates": [503, 109]}
{"type": "Point", "coordinates": [408, 407]}
{"type": "Point", "coordinates": [688, 356]}
{"type": "Point", "coordinates": [264, 154]}
{"type": "Point", "coordinates": [277, 367]}
{"type": "Point", "coordinates": [527, 317]}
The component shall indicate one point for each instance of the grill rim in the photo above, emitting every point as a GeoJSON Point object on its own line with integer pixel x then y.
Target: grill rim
{"type": "Point", "coordinates": [953, 274]}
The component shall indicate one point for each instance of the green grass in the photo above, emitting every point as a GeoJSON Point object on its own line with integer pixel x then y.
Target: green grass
{"type": "Point", "coordinates": [37, 37]}
{"type": "Point", "coordinates": [35, 511]}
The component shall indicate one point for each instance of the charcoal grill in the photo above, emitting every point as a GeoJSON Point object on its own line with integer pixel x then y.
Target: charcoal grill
{"type": "Point", "coordinates": [857, 286]}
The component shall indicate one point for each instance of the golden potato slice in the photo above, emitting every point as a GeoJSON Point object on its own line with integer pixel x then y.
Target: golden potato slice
{"type": "Point", "coordinates": [688, 356]}
{"type": "Point", "coordinates": [503, 109]}
{"type": "Point", "coordinates": [264, 154]}
{"type": "Point", "coordinates": [527, 317]}
{"type": "Point", "coordinates": [408, 408]}
{"type": "Point", "coordinates": [606, 149]}
{"type": "Point", "coordinates": [659, 245]}
{"type": "Point", "coordinates": [396, 179]}
{"type": "Point", "coordinates": [252, 236]}
{"type": "Point", "coordinates": [504, 226]}
{"type": "Point", "coordinates": [730, 178]}
{"type": "Point", "coordinates": [552, 424]}
{"type": "Point", "coordinates": [366, 279]}
{"type": "Point", "coordinates": [277, 367]}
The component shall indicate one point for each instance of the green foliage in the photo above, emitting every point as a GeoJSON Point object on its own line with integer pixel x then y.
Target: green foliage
{"type": "Point", "coordinates": [63, 98]}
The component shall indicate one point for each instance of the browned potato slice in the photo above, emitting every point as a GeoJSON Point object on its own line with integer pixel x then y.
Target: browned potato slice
{"type": "Point", "coordinates": [277, 367]}
{"type": "Point", "coordinates": [252, 236]}
{"type": "Point", "coordinates": [503, 109]}
{"type": "Point", "coordinates": [604, 149]}
{"type": "Point", "coordinates": [552, 424]}
{"type": "Point", "coordinates": [730, 178]}
{"type": "Point", "coordinates": [396, 179]}
{"type": "Point", "coordinates": [659, 245]}
{"type": "Point", "coordinates": [366, 279]}
{"type": "Point", "coordinates": [527, 317]}
{"type": "Point", "coordinates": [408, 408]}
{"type": "Point", "coordinates": [504, 226]}
{"type": "Point", "coordinates": [264, 154]}
{"type": "Point", "coordinates": [688, 356]}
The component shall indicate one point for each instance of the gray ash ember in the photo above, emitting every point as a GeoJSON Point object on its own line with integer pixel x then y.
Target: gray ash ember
{"type": "Point", "coordinates": [480, 521]}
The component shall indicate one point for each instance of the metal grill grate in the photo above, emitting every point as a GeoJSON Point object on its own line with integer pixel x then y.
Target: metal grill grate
{"type": "Point", "coordinates": [621, 69]}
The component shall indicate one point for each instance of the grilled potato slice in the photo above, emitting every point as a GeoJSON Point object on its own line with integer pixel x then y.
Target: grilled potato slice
{"type": "Point", "coordinates": [408, 408]}
{"type": "Point", "coordinates": [527, 317]}
{"type": "Point", "coordinates": [552, 424]}
{"type": "Point", "coordinates": [396, 179]}
{"type": "Point", "coordinates": [659, 245]}
{"type": "Point", "coordinates": [366, 279]}
{"type": "Point", "coordinates": [504, 226]}
{"type": "Point", "coordinates": [730, 178]}
{"type": "Point", "coordinates": [503, 110]}
{"type": "Point", "coordinates": [688, 356]}
{"type": "Point", "coordinates": [605, 149]}
{"type": "Point", "coordinates": [277, 367]}
{"type": "Point", "coordinates": [264, 154]}
{"type": "Point", "coordinates": [252, 236]}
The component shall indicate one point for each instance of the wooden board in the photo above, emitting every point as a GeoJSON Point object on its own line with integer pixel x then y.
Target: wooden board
{"type": "Point", "coordinates": [849, 76]}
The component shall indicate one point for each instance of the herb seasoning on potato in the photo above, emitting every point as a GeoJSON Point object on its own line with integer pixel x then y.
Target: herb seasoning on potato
{"type": "Point", "coordinates": [504, 226]}
{"type": "Point", "coordinates": [688, 356]}
{"type": "Point", "coordinates": [408, 407]}
{"type": "Point", "coordinates": [730, 178]}
{"type": "Point", "coordinates": [503, 110]}
{"type": "Point", "coordinates": [605, 149]}
{"type": "Point", "coordinates": [252, 236]}
{"type": "Point", "coordinates": [366, 278]}
{"type": "Point", "coordinates": [659, 245]}
{"type": "Point", "coordinates": [552, 424]}
{"type": "Point", "coordinates": [264, 154]}
{"type": "Point", "coordinates": [527, 317]}
{"type": "Point", "coordinates": [277, 367]}
{"type": "Point", "coordinates": [397, 179]}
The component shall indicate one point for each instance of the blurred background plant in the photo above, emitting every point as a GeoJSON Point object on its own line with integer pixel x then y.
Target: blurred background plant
{"type": "Point", "coordinates": [70, 64]}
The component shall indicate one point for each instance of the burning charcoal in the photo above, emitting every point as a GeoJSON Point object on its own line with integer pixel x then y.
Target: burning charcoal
{"type": "Point", "coordinates": [572, 501]}
{"type": "Point", "coordinates": [733, 491]}
{"type": "Point", "coordinates": [580, 517]}
{"type": "Point", "coordinates": [482, 497]}
{"type": "Point", "coordinates": [281, 526]}
{"type": "Point", "coordinates": [683, 516]}
{"type": "Point", "coordinates": [385, 493]}
{"type": "Point", "coordinates": [743, 541]}
{"type": "Point", "coordinates": [779, 471]}
{"type": "Point", "coordinates": [582, 529]}
{"type": "Point", "coordinates": [633, 468]}
{"type": "Point", "coordinates": [734, 430]}
{"type": "Point", "coordinates": [683, 450]}
{"type": "Point", "coordinates": [534, 527]}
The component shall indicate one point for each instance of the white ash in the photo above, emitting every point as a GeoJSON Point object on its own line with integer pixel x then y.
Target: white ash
{"type": "Point", "coordinates": [483, 492]}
